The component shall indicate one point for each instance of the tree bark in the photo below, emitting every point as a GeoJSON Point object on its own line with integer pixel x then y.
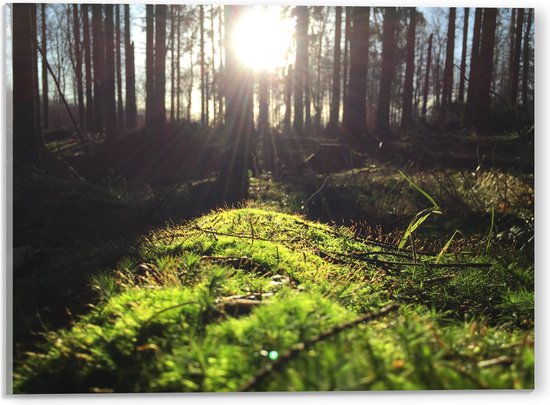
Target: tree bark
{"type": "Point", "coordinates": [464, 55]}
{"type": "Point", "coordinates": [386, 76]}
{"type": "Point", "coordinates": [44, 44]}
{"type": "Point", "coordinates": [407, 114]}
{"type": "Point", "coordinates": [26, 133]}
{"type": "Point", "coordinates": [447, 96]}
{"type": "Point", "coordinates": [131, 109]}
{"type": "Point", "coordinates": [160, 66]}
{"type": "Point", "coordinates": [288, 98]}
{"type": "Point", "coordinates": [120, 108]}
{"type": "Point", "coordinates": [109, 103]}
{"type": "Point", "coordinates": [78, 67]}
{"type": "Point", "coordinates": [203, 67]}
{"type": "Point", "coordinates": [150, 69]}
{"type": "Point", "coordinates": [514, 79]}
{"type": "Point", "coordinates": [354, 121]}
{"type": "Point", "coordinates": [178, 57]}
{"type": "Point", "coordinates": [89, 121]}
{"type": "Point", "coordinates": [172, 63]}
{"type": "Point", "coordinates": [335, 103]}
{"type": "Point", "coordinates": [427, 79]}
{"type": "Point", "coordinates": [345, 65]}
{"type": "Point", "coordinates": [474, 69]}
{"type": "Point", "coordinates": [526, 56]}
{"type": "Point", "coordinates": [300, 67]}
{"type": "Point", "coordinates": [99, 60]}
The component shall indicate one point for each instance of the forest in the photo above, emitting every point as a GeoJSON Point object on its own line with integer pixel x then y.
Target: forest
{"type": "Point", "coordinates": [270, 198]}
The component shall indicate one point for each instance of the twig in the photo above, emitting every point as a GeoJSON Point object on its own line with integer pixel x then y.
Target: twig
{"type": "Point", "coordinates": [278, 364]}
{"type": "Point", "coordinates": [316, 192]}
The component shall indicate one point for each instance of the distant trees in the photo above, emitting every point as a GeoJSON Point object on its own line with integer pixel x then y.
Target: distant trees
{"type": "Point", "coordinates": [108, 102]}
{"type": "Point", "coordinates": [447, 96]}
{"type": "Point", "coordinates": [335, 101]}
{"type": "Point", "coordinates": [300, 76]}
{"type": "Point", "coordinates": [407, 113]}
{"type": "Point", "coordinates": [131, 109]}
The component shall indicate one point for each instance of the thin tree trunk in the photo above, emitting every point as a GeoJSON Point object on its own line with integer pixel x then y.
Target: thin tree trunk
{"type": "Point", "coordinates": [447, 96]}
{"type": "Point", "coordinates": [89, 124]}
{"type": "Point", "coordinates": [345, 66]}
{"type": "Point", "coordinates": [512, 39]}
{"type": "Point", "coordinates": [109, 100]}
{"type": "Point", "coordinates": [120, 108]}
{"type": "Point", "coordinates": [427, 79]}
{"type": "Point", "coordinates": [464, 55]}
{"type": "Point", "coordinates": [386, 76]}
{"type": "Point", "coordinates": [300, 67]}
{"type": "Point", "coordinates": [78, 67]}
{"type": "Point", "coordinates": [178, 67]}
{"type": "Point", "coordinates": [526, 62]}
{"type": "Point", "coordinates": [220, 69]}
{"type": "Point", "coordinates": [160, 66]}
{"type": "Point", "coordinates": [335, 104]}
{"type": "Point", "coordinates": [407, 114]}
{"type": "Point", "coordinates": [44, 68]}
{"type": "Point", "coordinates": [288, 98]}
{"type": "Point", "coordinates": [213, 62]}
{"type": "Point", "coordinates": [131, 108]}
{"type": "Point", "coordinates": [514, 79]}
{"type": "Point", "coordinates": [203, 67]}
{"type": "Point", "coordinates": [99, 60]}
{"type": "Point", "coordinates": [172, 63]}
{"type": "Point", "coordinates": [474, 69]}
{"type": "Point", "coordinates": [150, 68]}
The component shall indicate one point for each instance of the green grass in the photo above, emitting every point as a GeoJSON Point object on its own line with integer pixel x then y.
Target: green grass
{"type": "Point", "coordinates": [204, 303]}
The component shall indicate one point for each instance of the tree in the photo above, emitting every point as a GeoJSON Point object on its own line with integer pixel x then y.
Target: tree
{"type": "Point", "coordinates": [345, 63]}
{"type": "Point", "coordinates": [514, 69]}
{"type": "Point", "coordinates": [483, 93]}
{"type": "Point", "coordinates": [335, 103]}
{"type": "Point", "coordinates": [447, 96]}
{"type": "Point", "coordinates": [300, 67]}
{"type": "Point", "coordinates": [160, 66]}
{"type": "Point", "coordinates": [239, 119]}
{"type": "Point", "coordinates": [526, 62]}
{"type": "Point", "coordinates": [89, 122]}
{"type": "Point", "coordinates": [407, 114]}
{"type": "Point", "coordinates": [78, 66]}
{"type": "Point", "coordinates": [26, 133]}
{"type": "Point", "coordinates": [427, 79]}
{"type": "Point", "coordinates": [263, 102]}
{"type": "Point", "coordinates": [386, 75]}
{"type": "Point", "coordinates": [354, 121]}
{"type": "Point", "coordinates": [131, 109]}
{"type": "Point", "coordinates": [204, 103]}
{"type": "Point", "coordinates": [474, 68]}
{"type": "Point", "coordinates": [98, 61]}
{"type": "Point", "coordinates": [44, 43]}
{"type": "Point", "coordinates": [109, 102]}
{"type": "Point", "coordinates": [150, 68]}
{"type": "Point", "coordinates": [464, 55]}
{"type": "Point", "coordinates": [288, 97]}
{"type": "Point", "coordinates": [118, 48]}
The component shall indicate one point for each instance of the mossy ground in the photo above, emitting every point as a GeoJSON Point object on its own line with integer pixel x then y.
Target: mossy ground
{"type": "Point", "coordinates": [205, 304]}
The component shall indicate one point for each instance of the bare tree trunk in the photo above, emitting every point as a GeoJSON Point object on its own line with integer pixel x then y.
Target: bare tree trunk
{"type": "Point", "coordinates": [386, 76]}
{"type": "Point", "coordinates": [131, 108]}
{"type": "Point", "coordinates": [150, 69]}
{"type": "Point", "coordinates": [526, 56]}
{"type": "Point", "coordinates": [99, 60]}
{"type": "Point", "coordinates": [26, 133]}
{"type": "Point", "coordinates": [354, 121]}
{"type": "Point", "coordinates": [514, 79]}
{"type": "Point", "coordinates": [44, 68]}
{"type": "Point", "coordinates": [427, 80]}
{"type": "Point", "coordinates": [172, 63]}
{"type": "Point", "coordinates": [263, 103]}
{"type": "Point", "coordinates": [288, 98]}
{"type": "Point", "coordinates": [346, 54]}
{"type": "Point", "coordinates": [300, 67]}
{"type": "Point", "coordinates": [213, 63]}
{"type": "Point", "coordinates": [160, 66]}
{"type": "Point", "coordinates": [178, 67]}
{"type": "Point", "coordinates": [78, 66]}
{"type": "Point", "coordinates": [464, 54]}
{"type": "Point", "coordinates": [407, 114]}
{"type": "Point", "coordinates": [109, 102]}
{"type": "Point", "coordinates": [202, 66]}
{"type": "Point", "coordinates": [220, 69]}
{"type": "Point", "coordinates": [447, 96]}
{"type": "Point", "coordinates": [511, 54]}
{"type": "Point", "coordinates": [89, 124]}
{"type": "Point", "coordinates": [118, 47]}
{"type": "Point", "coordinates": [335, 104]}
{"type": "Point", "coordinates": [473, 82]}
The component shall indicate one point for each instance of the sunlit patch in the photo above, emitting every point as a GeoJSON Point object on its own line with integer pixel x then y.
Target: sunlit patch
{"type": "Point", "coordinates": [263, 38]}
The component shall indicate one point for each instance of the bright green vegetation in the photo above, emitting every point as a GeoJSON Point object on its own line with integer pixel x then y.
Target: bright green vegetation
{"type": "Point", "coordinates": [206, 304]}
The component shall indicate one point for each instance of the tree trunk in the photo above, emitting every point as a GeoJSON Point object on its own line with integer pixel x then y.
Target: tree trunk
{"type": "Point", "coordinates": [511, 54]}
{"type": "Point", "coordinates": [131, 109]}
{"type": "Point", "coordinates": [78, 67]}
{"type": "Point", "coordinates": [213, 63]}
{"type": "Point", "coordinates": [345, 65]}
{"type": "Point", "coordinates": [233, 179]}
{"type": "Point", "coordinates": [172, 62]}
{"type": "Point", "coordinates": [120, 108]}
{"type": "Point", "coordinates": [178, 67]}
{"type": "Point", "coordinates": [335, 103]}
{"type": "Point", "coordinates": [300, 67]}
{"type": "Point", "coordinates": [109, 102]}
{"type": "Point", "coordinates": [474, 69]}
{"type": "Point", "coordinates": [203, 67]}
{"type": "Point", "coordinates": [427, 80]}
{"type": "Point", "coordinates": [407, 114]}
{"type": "Point", "coordinates": [150, 69]}
{"type": "Point", "coordinates": [26, 133]}
{"type": "Point", "coordinates": [160, 67]}
{"type": "Point", "coordinates": [99, 60]}
{"type": "Point", "coordinates": [514, 79]}
{"type": "Point", "coordinates": [288, 98]}
{"type": "Point", "coordinates": [354, 121]}
{"type": "Point", "coordinates": [483, 94]}
{"type": "Point", "coordinates": [220, 69]}
{"type": "Point", "coordinates": [307, 86]}
{"type": "Point", "coordinates": [526, 55]}
{"type": "Point", "coordinates": [447, 96]}
{"type": "Point", "coordinates": [386, 76]}
{"type": "Point", "coordinates": [89, 121]}
{"type": "Point", "coordinates": [263, 102]}
{"type": "Point", "coordinates": [464, 55]}
{"type": "Point", "coordinates": [44, 68]}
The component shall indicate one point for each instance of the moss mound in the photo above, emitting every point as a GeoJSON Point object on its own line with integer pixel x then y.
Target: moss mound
{"type": "Point", "coordinates": [213, 303]}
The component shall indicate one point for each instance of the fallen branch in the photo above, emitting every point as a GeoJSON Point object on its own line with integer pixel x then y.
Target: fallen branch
{"type": "Point", "coordinates": [278, 364]}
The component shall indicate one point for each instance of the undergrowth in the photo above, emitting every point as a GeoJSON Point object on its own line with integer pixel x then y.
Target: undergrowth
{"type": "Point", "coordinates": [209, 304]}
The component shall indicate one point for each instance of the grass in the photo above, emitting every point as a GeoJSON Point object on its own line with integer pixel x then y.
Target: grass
{"type": "Point", "coordinates": [202, 304]}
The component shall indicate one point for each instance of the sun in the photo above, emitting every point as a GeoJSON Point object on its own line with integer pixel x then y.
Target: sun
{"type": "Point", "coordinates": [263, 38]}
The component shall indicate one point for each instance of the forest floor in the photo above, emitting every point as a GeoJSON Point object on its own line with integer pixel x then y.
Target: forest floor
{"type": "Point", "coordinates": [414, 270]}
